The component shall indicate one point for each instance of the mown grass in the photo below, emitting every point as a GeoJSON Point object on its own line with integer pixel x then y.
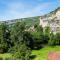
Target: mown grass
{"type": "Point", "coordinates": [5, 55]}
{"type": "Point", "coordinates": [42, 54]}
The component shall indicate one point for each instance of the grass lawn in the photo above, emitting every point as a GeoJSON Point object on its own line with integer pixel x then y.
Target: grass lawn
{"type": "Point", "coordinates": [5, 55]}
{"type": "Point", "coordinates": [43, 53]}
{"type": "Point", "coordinates": [39, 54]}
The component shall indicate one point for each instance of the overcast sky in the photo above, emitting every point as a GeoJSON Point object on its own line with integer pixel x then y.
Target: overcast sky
{"type": "Point", "coordinates": [13, 9]}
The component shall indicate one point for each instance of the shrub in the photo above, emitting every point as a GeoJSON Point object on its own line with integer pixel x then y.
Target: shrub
{"type": "Point", "coordinates": [51, 42]}
{"type": "Point", "coordinates": [1, 58]}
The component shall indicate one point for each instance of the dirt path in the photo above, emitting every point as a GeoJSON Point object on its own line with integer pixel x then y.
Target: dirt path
{"type": "Point", "coordinates": [54, 56]}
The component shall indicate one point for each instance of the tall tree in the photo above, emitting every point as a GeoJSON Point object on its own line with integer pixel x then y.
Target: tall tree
{"type": "Point", "coordinates": [4, 37]}
{"type": "Point", "coordinates": [19, 49]}
{"type": "Point", "coordinates": [17, 32]}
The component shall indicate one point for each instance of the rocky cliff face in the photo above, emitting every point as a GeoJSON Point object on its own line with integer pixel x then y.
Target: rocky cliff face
{"type": "Point", "coordinates": [53, 14]}
{"type": "Point", "coordinates": [52, 20]}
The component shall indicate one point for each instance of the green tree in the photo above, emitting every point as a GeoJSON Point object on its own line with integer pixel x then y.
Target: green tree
{"type": "Point", "coordinates": [51, 41]}
{"type": "Point", "coordinates": [57, 39]}
{"type": "Point", "coordinates": [4, 37]}
{"type": "Point", "coordinates": [20, 52]}
{"type": "Point", "coordinates": [39, 28]}
{"type": "Point", "coordinates": [47, 31]}
{"type": "Point", "coordinates": [27, 36]}
{"type": "Point", "coordinates": [47, 34]}
{"type": "Point", "coordinates": [37, 39]}
{"type": "Point", "coordinates": [17, 32]}
{"type": "Point", "coordinates": [19, 49]}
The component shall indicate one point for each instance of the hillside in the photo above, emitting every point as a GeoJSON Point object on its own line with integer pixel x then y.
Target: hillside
{"type": "Point", "coordinates": [30, 21]}
{"type": "Point", "coordinates": [52, 20]}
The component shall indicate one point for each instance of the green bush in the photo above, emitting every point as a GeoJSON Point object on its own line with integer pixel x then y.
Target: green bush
{"type": "Point", "coordinates": [9, 59]}
{"type": "Point", "coordinates": [51, 42]}
{"type": "Point", "coordinates": [1, 58]}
